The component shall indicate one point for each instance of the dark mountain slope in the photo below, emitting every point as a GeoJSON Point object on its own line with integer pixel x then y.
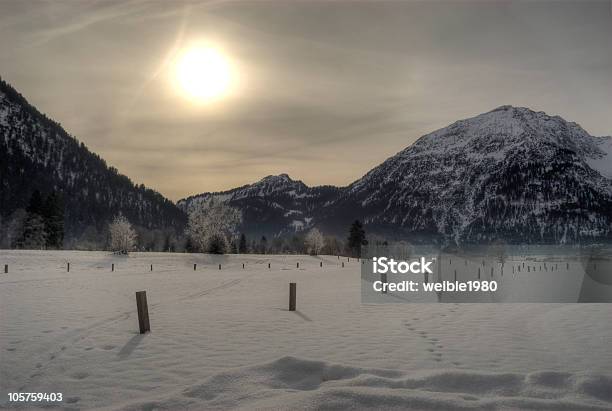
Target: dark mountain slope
{"type": "Point", "coordinates": [36, 153]}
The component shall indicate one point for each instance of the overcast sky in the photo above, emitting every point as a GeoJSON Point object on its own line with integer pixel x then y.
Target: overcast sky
{"type": "Point", "coordinates": [327, 90]}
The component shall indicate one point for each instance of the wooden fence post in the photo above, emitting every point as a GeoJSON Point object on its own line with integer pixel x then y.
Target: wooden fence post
{"type": "Point", "coordinates": [67, 267]}
{"type": "Point", "coordinates": [113, 267]}
{"type": "Point", "coordinates": [297, 265]}
{"type": "Point", "coordinates": [343, 264]}
{"type": "Point", "coordinates": [143, 311]}
{"type": "Point", "coordinates": [219, 266]}
{"type": "Point", "coordinates": [151, 267]}
{"type": "Point", "coordinates": [292, 296]}
{"type": "Point", "coordinates": [383, 279]}
{"type": "Point", "coordinates": [194, 267]}
{"type": "Point", "coordinates": [269, 265]}
{"type": "Point", "coordinates": [243, 266]}
{"type": "Point", "coordinates": [321, 264]}
{"type": "Point", "coordinates": [5, 268]}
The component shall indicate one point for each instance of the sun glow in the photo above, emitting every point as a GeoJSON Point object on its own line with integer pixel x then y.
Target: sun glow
{"type": "Point", "coordinates": [204, 74]}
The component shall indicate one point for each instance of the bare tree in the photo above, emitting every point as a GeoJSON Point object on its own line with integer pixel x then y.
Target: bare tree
{"type": "Point", "coordinates": [332, 246]}
{"type": "Point", "coordinates": [314, 241]}
{"type": "Point", "coordinates": [211, 226]}
{"type": "Point", "coordinates": [122, 235]}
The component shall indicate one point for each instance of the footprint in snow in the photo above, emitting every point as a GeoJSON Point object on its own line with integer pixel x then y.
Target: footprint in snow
{"type": "Point", "coordinates": [80, 375]}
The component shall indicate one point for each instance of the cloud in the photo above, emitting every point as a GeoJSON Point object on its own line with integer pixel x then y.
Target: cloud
{"type": "Point", "coordinates": [328, 89]}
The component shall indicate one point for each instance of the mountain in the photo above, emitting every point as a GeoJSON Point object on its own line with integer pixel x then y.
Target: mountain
{"type": "Point", "coordinates": [36, 153]}
{"type": "Point", "coordinates": [275, 205]}
{"type": "Point", "coordinates": [511, 174]}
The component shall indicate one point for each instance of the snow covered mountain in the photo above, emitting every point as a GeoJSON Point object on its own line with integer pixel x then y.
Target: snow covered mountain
{"type": "Point", "coordinates": [275, 205]}
{"type": "Point", "coordinates": [511, 174]}
{"type": "Point", "coordinates": [36, 153]}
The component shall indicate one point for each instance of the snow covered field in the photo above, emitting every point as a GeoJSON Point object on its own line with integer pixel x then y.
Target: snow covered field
{"type": "Point", "coordinates": [224, 339]}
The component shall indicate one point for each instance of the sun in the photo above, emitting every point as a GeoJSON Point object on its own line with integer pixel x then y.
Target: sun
{"type": "Point", "coordinates": [204, 74]}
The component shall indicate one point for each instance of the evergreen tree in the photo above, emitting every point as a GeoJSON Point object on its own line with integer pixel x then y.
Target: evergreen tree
{"type": "Point", "coordinates": [35, 205]}
{"type": "Point", "coordinates": [356, 239]}
{"type": "Point", "coordinates": [189, 246]}
{"type": "Point", "coordinates": [242, 245]}
{"type": "Point", "coordinates": [216, 244]}
{"type": "Point", "coordinates": [167, 247]}
{"type": "Point", "coordinates": [53, 216]}
{"type": "Point", "coordinates": [34, 234]}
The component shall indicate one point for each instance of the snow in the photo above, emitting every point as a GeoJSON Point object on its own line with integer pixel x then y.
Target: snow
{"type": "Point", "coordinates": [4, 111]}
{"type": "Point", "coordinates": [603, 162]}
{"type": "Point", "coordinates": [297, 225]}
{"type": "Point", "coordinates": [224, 339]}
{"type": "Point", "coordinates": [447, 181]}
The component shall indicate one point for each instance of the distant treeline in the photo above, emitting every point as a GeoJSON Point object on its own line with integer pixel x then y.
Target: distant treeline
{"type": "Point", "coordinates": [41, 226]}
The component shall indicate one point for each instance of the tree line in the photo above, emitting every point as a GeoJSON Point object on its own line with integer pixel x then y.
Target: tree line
{"type": "Point", "coordinates": [39, 226]}
{"type": "Point", "coordinates": [212, 228]}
